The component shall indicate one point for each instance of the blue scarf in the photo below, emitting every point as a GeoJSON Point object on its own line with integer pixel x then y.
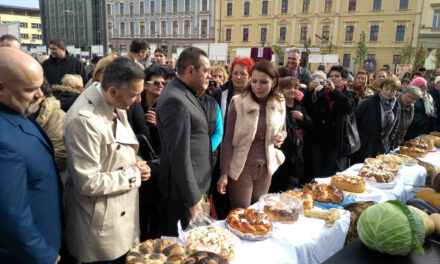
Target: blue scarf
{"type": "Point", "coordinates": [387, 110]}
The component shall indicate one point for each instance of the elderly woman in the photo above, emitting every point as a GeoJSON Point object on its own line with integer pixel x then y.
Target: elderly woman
{"type": "Point", "coordinates": [238, 81]}
{"type": "Point", "coordinates": [424, 120]}
{"type": "Point", "coordinates": [219, 75]}
{"type": "Point", "coordinates": [406, 102]}
{"type": "Point", "coordinates": [377, 118]}
{"type": "Point", "coordinates": [255, 128]}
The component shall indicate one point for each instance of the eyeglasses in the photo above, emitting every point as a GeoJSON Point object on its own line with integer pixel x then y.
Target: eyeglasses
{"type": "Point", "coordinates": [157, 83]}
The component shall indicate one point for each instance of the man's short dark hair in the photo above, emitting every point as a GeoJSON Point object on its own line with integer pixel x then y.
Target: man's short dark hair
{"type": "Point", "coordinates": [340, 69]}
{"type": "Point", "coordinates": [58, 42]}
{"type": "Point", "coordinates": [321, 67]}
{"type": "Point", "coordinates": [386, 66]}
{"type": "Point", "coordinates": [121, 71]}
{"type": "Point", "coordinates": [95, 59]}
{"type": "Point", "coordinates": [46, 88]}
{"type": "Point", "coordinates": [159, 50]}
{"type": "Point", "coordinates": [8, 37]}
{"type": "Point", "coordinates": [190, 56]}
{"type": "Point", "coordinates": [422, 69]}
{"type": "Point", "coordinates": [138, 45]}
{"type": "Point", "coordinates": [155, 70]}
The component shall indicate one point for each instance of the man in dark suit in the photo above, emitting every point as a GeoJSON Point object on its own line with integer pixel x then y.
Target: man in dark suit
{"type": "Point", "coordinates": [185, 169]}
{"type": "Point", "coordinates": [30, 224]}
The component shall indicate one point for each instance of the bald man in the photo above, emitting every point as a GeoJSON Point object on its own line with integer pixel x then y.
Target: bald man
{"type": "Point", "coordinates": [9, 41]}
{"type": "Point", "coordinates": [30, 225]}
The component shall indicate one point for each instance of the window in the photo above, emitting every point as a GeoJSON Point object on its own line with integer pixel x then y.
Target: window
{"type": "Point", "coordinates": [23, 25]}
{"type": "Point", "coordinates": [264, 7]}
{"type": "Point", "coordinates": [204, 5]}
{"type": "Point", "coordinates": [174, 5]}
{"type": "Point", "coordinates": [24, 36]}
{"type": "Point", "coordinates": [121, 8]}
{"type": "Point", "coordinates": [245, 34]}
{"type": "Point", "coordinates": [352, 5]}
{"type": "Point", "coordinates": [163, 8]}
{"type": "Point", "coordinates": [204, 29]}
{"type": "Point", "coordinates": [228, 34]}
{"type": "Point", "coordinates": [374, 32]}
{"type": "Point", "coordinates": [187, 6]}
{"type": "Point", "coordinates": [132, 29]}
{"type": "Point", "coordinates": [263, 34]}
{"type": "Point", "coordinates": [33, 14]}
{"type": "Point", "coordinates": [36, 36]}
{"type": "Point", "coordinates": [109, 29]}
{"type": "Point", "coordinates": [142, 28]}
{"type": "Point", "coordinates": [403, 4]}
{"type": "Point", "coordinates": [163, 28]}
{"type": "Point", "coordinates": [284, 6]}
{"type": "Point", "coordinates": [306, 6]}
{"type": "Point", "coordinates": [175, 28]}
{"type": "Point", "coordinates": [3, 11]}
{"type": "Point", "coordinates": [141, 8]}
{"type": "Point", "coordinates": [349, 33]}
{"type": "Point", "coordinates": [283, 33]}
{"type": "Point", "coordinates": [325, 33]}
{"type": "Point", "coordinates": [370, 63]}
{"type": "Point", "coordinates": [436, 19]}
{"type": "Point", "coordinates": [246, 8]}
{"type": "Point", "coordinates": [123, 48]}
{"type": "Point", "coordinates": [328, 6]}
{"type": "Point", "coordinates": [152, 28]}
{"type": "Point", "coordinates": [122, 29]}
{"type": "Point", "coordinates": [152, 7]}
{"type": "Point", "coordinates": [377, 4]}
{"type": "Point", "coordinates": [229, 9]}
{"type": "Point", "coordinates": [109, 9]}
{"type": "Point", "coordinates": [35, 25]}
{"type": "Point", "coordinates": [303, 36]}
{"type": "Point", "coordinates": [186, 27]}
{"type": "Point", "coordinates": [346, 61]}
{"type": "Point", "coordinates": [400, 33]}
{"type": "Point", "coordinates": [21, 13]}
{"type": "Point", "coordinates": [131, 9]}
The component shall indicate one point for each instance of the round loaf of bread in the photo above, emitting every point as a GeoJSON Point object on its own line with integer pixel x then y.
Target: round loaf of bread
{"type": "Point", "coordinates": [324, 193]}
{"type": "Point", "coordinates": [286, 211]}
{"type": "Point", "coordinates": [416, 143]}
{"type": "Point", "coordinates": [428, 140]}
{"type": "Point", "coordinates": [155, 252]}
{"type": "Point", "coordinates": [249, 221]}
{"type": "Point", "coordinates": [306, 198]}
{"type": "Point", "coordinates": [412, 152]}
{"type": "Point", "coordinates": [205, 257]}
{"type": "Point", "coordinates": [348, 183]}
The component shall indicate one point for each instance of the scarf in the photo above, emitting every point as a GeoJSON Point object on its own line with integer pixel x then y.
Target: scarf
{"type": "Point", "coordinates": [329, 99]}
{"type": "Point", "coordinates": [429, 104]}
{"type": "Point", "coordinates": [387, 110]}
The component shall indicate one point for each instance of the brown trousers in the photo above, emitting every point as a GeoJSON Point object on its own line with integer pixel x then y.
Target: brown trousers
{"type": "Point", "coordinates": [250, 185]}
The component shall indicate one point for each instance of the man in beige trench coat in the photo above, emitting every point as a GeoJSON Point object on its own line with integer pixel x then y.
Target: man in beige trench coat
{"type": "Point", "coordinates": [101, 192]}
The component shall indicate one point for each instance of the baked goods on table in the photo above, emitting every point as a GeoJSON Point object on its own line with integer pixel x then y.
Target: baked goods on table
{"type": "Point", "coordinates": [413, 152]}
{"type": "Point", "coordinates": [156, 251]}
{"type": "Point", "coordinates": [205, 257]}
{"type": "Point", "coordinates": [348, 183]}
{"type": "Point", "coordinates": [249, 221]}
{"type": "Point", "coordinates": [330, 216]}
{"type": "Point", "coordinates": [407, 159]}
{"type": "Point", "coordinates": [416, 143]}
{"type": "Point", "coordinates": [428, 140]}
{"type": "Point", "coordinates": [306, 198]}
{"type": "Point", "coordinates": [436, 137]}
{"type": "Point", "coordinates": [324, 193]}
{"type": "Point", "coordinates": [283, 209]}
{"type": "Point", "coordinates": [391, 159]}
{"type": "Point", "coordinates": [213, 239]}
{"type": "Point", "coordinates": [435, 133]}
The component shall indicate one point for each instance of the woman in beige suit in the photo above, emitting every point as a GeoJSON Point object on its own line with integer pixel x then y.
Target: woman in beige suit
{"type": "Point", "coordinates": [255, 129]}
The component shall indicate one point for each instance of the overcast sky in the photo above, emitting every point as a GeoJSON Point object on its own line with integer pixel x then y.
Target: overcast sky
{"type": "Point", "coordinates": [22, 3]}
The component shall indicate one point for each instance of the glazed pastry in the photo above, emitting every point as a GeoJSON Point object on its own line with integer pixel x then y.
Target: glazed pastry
{"type": "Point", "coordinates": [205, 257]}
{"type": "Point", "coordinates": [348, 183]}
{"type": "Point", "coordinates": [324, 193]}
{"type": "Point", "coordinates": [155, 252]}
{"type": "Point", "coordinates": [413, 152]}
{"type": "Point", "coordinates": [249, 221]}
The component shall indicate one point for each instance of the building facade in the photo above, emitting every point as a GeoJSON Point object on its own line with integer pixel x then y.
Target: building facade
{"type": "Point", "coordinates": [78, 22]}
{"type": "Point", "coordinates": [332, 26]}
{"type": "Point", "coordinates": [429, 34]}
{"type": "Point", "coordinates": [29, 23]}
{"type": "Point", "coordinates": [168, 24]}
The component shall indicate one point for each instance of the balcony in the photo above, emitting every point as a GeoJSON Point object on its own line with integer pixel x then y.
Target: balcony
{"type": "Point", "coordinates": [430, 31]}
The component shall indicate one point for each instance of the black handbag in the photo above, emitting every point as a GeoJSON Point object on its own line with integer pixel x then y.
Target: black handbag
{"type": "Point", "coordinates": [351, 141]}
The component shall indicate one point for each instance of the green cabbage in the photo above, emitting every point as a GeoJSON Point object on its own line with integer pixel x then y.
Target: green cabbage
{"type": "Point", "coordinates": [392, 228]}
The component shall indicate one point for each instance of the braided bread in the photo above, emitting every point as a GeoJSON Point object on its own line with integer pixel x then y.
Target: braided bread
{"type": "Point", "coordinates": [249, 221]}
{"type": "Point", "coordinates": [306, 198]}
{"type": "Point", "coordinates": [412, 152]}
{"type": "Point", "coordinates": [205, 257]}
{"type": "Point", "coordinates": [324, 193]}
{"type": "Point", "coordinates": [416, 143]}
{"type": "Point", "coordinates": [348, 183]}
{"type": "Point", "coordinates": [156, 251]}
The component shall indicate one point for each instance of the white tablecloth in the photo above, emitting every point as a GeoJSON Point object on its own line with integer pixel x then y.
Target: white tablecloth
{"type": "Point", "coordinates": [305, 241]}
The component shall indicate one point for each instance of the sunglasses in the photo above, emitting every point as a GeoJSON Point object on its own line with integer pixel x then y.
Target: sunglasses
{"type": "Point", "coordinates": [157, 83]}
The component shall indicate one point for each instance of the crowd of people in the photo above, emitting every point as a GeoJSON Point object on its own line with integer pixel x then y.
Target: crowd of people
{"type": "Point", "coordinates": [96, 157]}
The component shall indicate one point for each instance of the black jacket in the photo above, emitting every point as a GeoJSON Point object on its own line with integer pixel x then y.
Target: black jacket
{"type": "Point", "coordinates": [369, 122]}
{"type": "Point", "coordinates": [54, 71]}
{"type": "Point", "coordinates": [421, 124]}
{"type": "Point", "coordinates": [436, 96]}
{"type": "Point", "coordinates": [405, 119]}
{"type": "Point", "coordinates": [185, 160]}
{"type": "Point", "coordinates": [329, 125]}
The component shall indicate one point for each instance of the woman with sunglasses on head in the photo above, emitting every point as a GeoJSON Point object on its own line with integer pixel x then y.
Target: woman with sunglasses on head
{"type": "Point", "coordinates": [142, 118]}
{"type": "Point", "coordinates": [255, 129]}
